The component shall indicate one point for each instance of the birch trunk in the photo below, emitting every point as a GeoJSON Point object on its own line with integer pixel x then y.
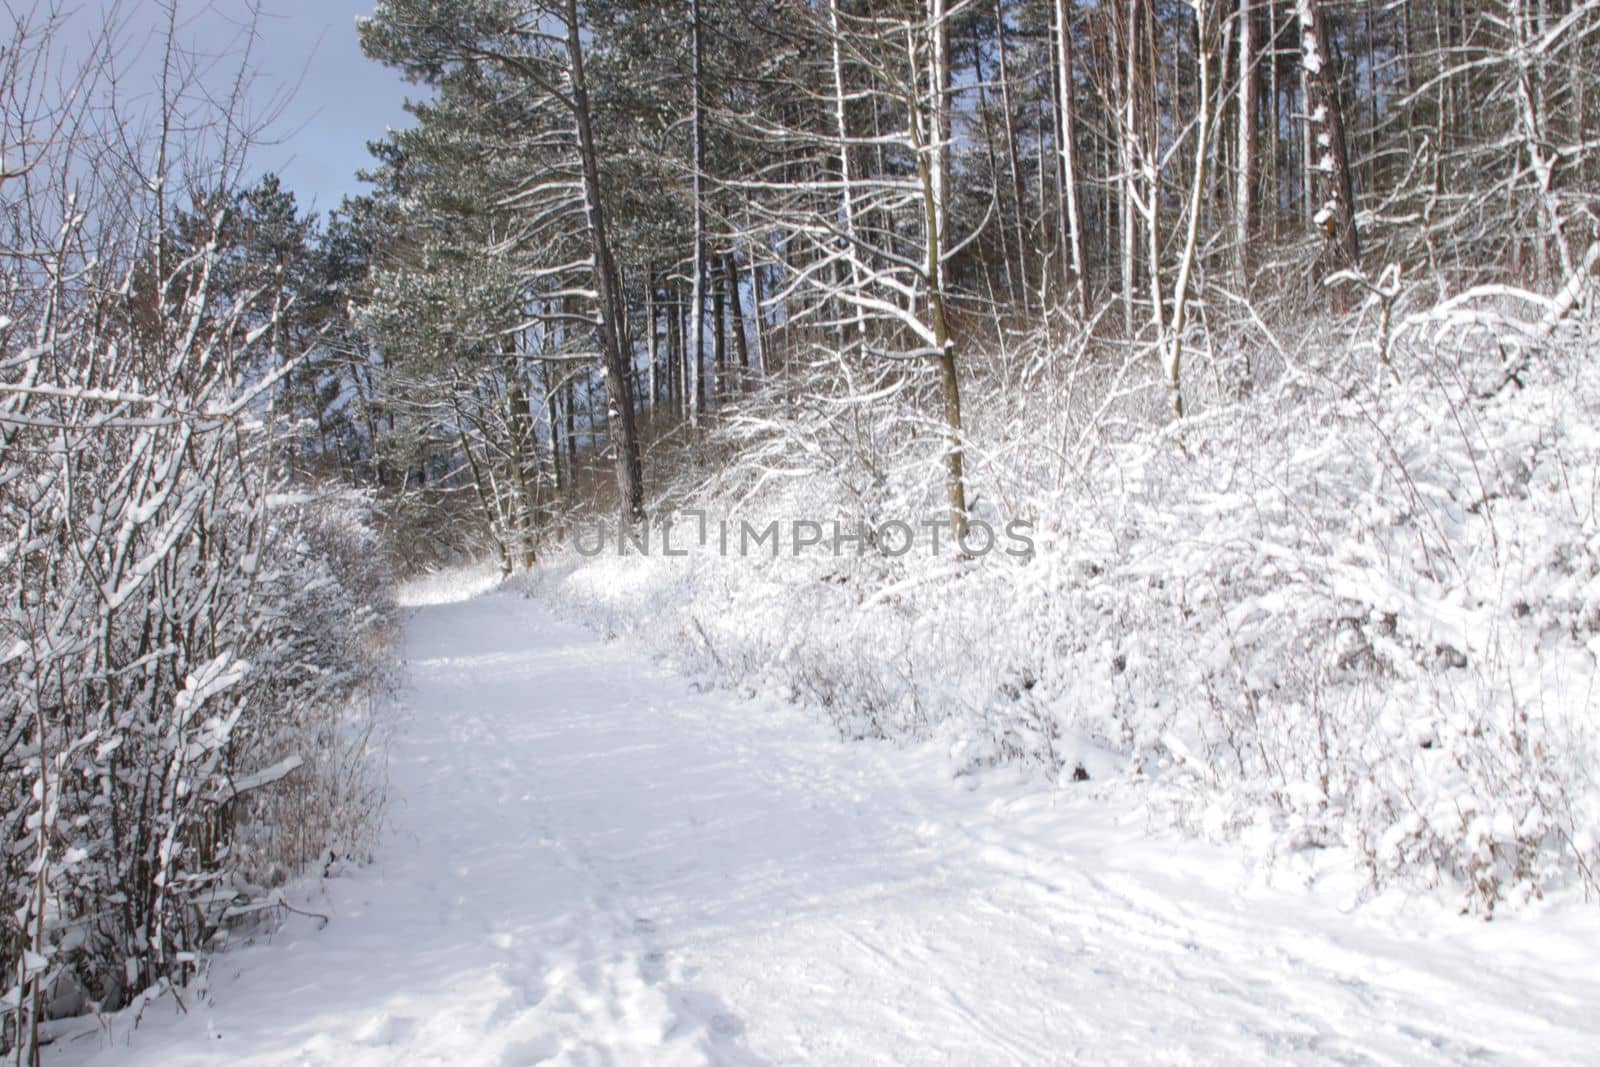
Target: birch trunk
{"type": "Point", "coordinates": [934, 159]}
{"type": "Point", "coordinates": [1244, 175]}
{"type": "Point", "coordinates": [1066, 136]}
{"type": "Point", "coordinates": [1191, 239]}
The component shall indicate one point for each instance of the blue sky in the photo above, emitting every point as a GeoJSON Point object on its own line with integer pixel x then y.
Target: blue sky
{"type": "Point", "coordinates": [306, 57]}
{"type": "Point", "coordinates": [341, 100]}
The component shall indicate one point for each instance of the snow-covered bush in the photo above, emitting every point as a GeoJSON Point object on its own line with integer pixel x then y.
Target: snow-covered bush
{"type": "Point", "coordinates": [188, 649]}
{"type": "Point", "coordinates": [322, 644]}
{"type": "Point", "coordinates": [1354, 606]}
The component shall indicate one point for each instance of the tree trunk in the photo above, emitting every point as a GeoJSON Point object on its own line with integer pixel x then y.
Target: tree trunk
{"type": "Point", "coordinates": [1066, 134]}
{"type": "Point", "coordinates": [1535, 135]}
{"type": "Point", "coordinates": [719, 338]}
{"type": "Point", "coordinates": [1127, 161]}
{"type": "Point", "coordinates": [847, 196]}
{"type": "Point", "coordinates": [675, 359]}
{"type": "Point", "coordinates": [616, 354]}
{"type": "Point", "coordinates": [995, 181]}
{"type": "Point", "coordinates": [571, 406]}
{"type": "Point", "coordinates": [759, 299]}
{"type": "Point", "coordinates": [697, 309]}
{"type": "Point", "coordinates": [651, 345]}
{"type": "Point", "coordinates": [741, 345]}
{"type": "Point", "coordinates": [520, 418]}
{"type": "Point", "coordinates": [1180, 292]}
{"type": "Point", "coordinates": [552, 416]}
{"type": "Point", "coordinates": [1244, 176]}
{"type": "Point", "coordinates": [1019, 282]}
{"type": "Point", "coordinates": [1334, 194]}
{"type": "Point", "coordinates": [933, 161]}
{"type": "Point", "coordinates": [1275, 179]}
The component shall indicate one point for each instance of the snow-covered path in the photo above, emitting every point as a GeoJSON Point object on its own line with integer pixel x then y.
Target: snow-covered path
{"type": "Point", "coordinates": [593, 864]}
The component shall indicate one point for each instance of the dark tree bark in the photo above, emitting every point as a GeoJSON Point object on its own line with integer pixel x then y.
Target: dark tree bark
{"type": "Point", "coordinates": [719, 338]}
{"type": "Point", "coordinates": [615, 351]}
{"type": "Point", "coordinates": [741, 344]}
{"type": "Point", "coordinates": [1332, 188]}
{"type": "Point", "coordinates": [1245, 176]}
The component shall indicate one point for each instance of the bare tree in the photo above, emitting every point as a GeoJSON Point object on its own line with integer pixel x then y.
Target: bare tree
{"type": "Point", "coordinates": [886, 279]}
{"type": "Point", "coordinates": [180, 635]}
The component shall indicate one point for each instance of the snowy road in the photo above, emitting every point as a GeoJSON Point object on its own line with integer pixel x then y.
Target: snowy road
{"type": "Point", "coordinates": [593, 864]}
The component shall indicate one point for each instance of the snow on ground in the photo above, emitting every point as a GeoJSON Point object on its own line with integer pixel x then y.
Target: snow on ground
{"type": "Point", "coordinates": [592, 863]}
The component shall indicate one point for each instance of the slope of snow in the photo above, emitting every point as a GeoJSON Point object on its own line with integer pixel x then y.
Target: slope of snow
{"type": "Point", "coordinates": [591, 863]}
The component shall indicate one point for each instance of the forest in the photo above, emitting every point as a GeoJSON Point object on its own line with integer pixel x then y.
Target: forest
{"type": "Point", "coordinates": [1273, 320]}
